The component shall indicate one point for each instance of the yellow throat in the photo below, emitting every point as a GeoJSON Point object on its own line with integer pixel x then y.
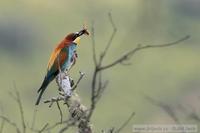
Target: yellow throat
{"type": "Point", "coordinates": [77, 40]}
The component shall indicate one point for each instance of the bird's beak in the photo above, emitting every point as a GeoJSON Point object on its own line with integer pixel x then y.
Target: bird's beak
{"type": "Point", "coordinates": [77, 40]}
{"type": "Point", "coordinates": [83, 32]}
{"type": "Point", "coordinates": [80, 33]}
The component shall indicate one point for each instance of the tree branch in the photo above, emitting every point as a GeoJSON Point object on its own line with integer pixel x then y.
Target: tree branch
{"type": "Point", "coordinates": [40, 130]}
{"type": "Point", "coordinates": [97, 87]}
{"type": "Point", "coordinates": [43, 128]}
{"type": "Point", "coordinates": [125, 123]}
{"type": "Point", "coordinates": [20, 108]}
{"type": "Point", "coordinates": [129, 54]}
{"type": "Point", "coordinates": [60, 111]}
{"type": "Point", "coordinates": [11, 123]}
{"type": "Point", "coordinates": [77, 110]}
{"type": "Point", "coordinates": [33, 119]}
{"type": "Point", "coordinates": [165, 107]}
{"type": "Point", "coordinates": [57, 124]}
{"type": "Point", "coordinates": [71, 123]}
{"type": "Point", "coordinates": [78, 81]}
{"type": "Point", "coordinates": [102, 56]}
{"type": "Point", "coordinates": [93, 44]}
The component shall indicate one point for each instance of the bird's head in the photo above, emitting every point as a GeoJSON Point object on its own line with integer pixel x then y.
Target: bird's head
{"type": "Point", "coordinates": [75, 37]}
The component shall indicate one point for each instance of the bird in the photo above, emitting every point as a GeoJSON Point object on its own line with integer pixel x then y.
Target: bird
{"type": "Point", "coordinates": [62, 59]}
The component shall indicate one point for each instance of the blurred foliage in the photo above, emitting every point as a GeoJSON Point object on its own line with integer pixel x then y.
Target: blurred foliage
{"type": "Point", "coordinates": [30, 29]}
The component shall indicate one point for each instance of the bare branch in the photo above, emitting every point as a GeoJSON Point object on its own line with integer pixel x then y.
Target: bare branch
{"type": "Point", "coordinates": [112, 130]}
{"type": "Point", "coordinates": [11, 123]}
{"type": "Point", "coordinates": [96, 97]}
{"type": "Point", "coordinates": [43, 128]}
{"type": "Point", "coordinates": [125, 123]}
{"type": "Point", "coordinates": [101, 91]}
{"type": "Point", "coordinates": [81, 76]}
{"type": "Point", "coordinates": [20, 109]}
{"type": "Point", "coordinates": [93, 44]}
{"type": "Point", "coordinates": [54, 99]}
{"type": "Point", "coordinates": [102, 56]}
{"type": "Point", "coordinates": [165, 107]}
{"type": "Point", "coordinates": [53, 126]}
{"type": "Point", "coordinates": [57, 124]}
{"type": "Point", "coordinates": [194, 116]}
{"type": "Point", "coordinates": [62, 97]}
{"type": "Point", "coordinates": [94, 81]}
{"type": "Point", "coordinates": [191, 113]}
{"type": "Point", "coordinates": [60, 111]}
{"type": "Point", "coordinates": [129, 54]}
{"type": "Point", "coordinates": [33, 119]}
{"type": "Point", "coordinates": [77, 110]}
{"type": "Point", "coordinates": [97, 88]}
{"type": "Point", "coordinates": [12, 96]}
{"type": "Point", "coordinates": [69, 124]}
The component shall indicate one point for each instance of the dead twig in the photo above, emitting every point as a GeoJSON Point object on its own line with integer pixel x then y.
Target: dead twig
{"type": "Point", "coordinates": [11, 123]}
{"type": "Point", "coordinates": [77, 110]}
{"type": "Point", "coordinates": [33, 119]}
{"type": "Point", "coordinates": [125, 123]}
{"type": "Point", "coordinates": [18, 100]}
{"type": "Point", "coordinates": [40, 130]}
{"type": "Point", "coordinates": [78, 81]}
{"type": "Point", "coordinates": [43, 128]}
{"type": "Point", "coordinates": [97, 85]}
{"type": "Point", "coordinates": [110, 39]}
{"type": "Point", "coordinates": [68, 125]}
{"type": "Point", "coordinates": [57, 124]}
{"type": "Point", "coordinates": [129, 54]}
{"type": "Point", "coordinates": [93, 44]}
{"type": "Point", "coordinates": [97, 89]}
{"type": "Point", "coordinates": [60, 111]}
{"type": "Point", "coordinates": [165, 107]}
{"type": "Point", "coordinates": [54, 99]}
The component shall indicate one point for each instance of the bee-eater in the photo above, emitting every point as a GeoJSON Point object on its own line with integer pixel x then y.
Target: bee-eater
{"type": "Point", "coordinates": [62, 59]}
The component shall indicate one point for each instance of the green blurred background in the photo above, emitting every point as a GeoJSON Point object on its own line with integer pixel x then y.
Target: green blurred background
{"type": "Point", "coordinates": [30, 29]}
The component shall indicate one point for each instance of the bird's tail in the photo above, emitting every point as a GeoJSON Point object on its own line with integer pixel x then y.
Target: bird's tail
{"type": "Point", "coordinates": [42, 89]}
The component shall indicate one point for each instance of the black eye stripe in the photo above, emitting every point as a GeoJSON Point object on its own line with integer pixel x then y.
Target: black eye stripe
{"type": "Point", "coordinates": [74, 36]}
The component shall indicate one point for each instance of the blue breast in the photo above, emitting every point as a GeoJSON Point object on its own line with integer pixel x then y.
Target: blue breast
{"type": "Point", "coordinates": [70, 50]}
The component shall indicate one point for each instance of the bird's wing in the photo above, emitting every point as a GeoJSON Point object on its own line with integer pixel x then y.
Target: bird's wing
{"type": "Point", "coordinates": [57, 59]}
{"type": "Point", "coordinates": [61, 58]}
{"type": "Point", "coordinates": [53, 57]}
